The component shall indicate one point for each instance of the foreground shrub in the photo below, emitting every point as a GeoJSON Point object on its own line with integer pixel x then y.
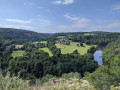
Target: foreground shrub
{"type": "Point", "coordinates": [71, 75]}
{"type": "Point", "coordinates": [12, 83]}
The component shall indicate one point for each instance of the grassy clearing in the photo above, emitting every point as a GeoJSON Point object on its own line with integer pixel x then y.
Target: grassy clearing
{"type": "Point", "coordinates": [73, 46]}
{"type": "Point", "coordinates": [46, 50]}
{"type": "Point", "coordinates": [61, 37]}
{"type": "Point", "coordinates": [18, 46]}
{"type": "Point", "coordinates": [87, 34]}
{"type": "Point", "coordinates": [40, 42]}
{"type": "Point", "coordinates": [18, 53]}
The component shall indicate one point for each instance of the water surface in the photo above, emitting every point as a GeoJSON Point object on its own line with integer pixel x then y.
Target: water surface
{"type": "Point", "coordinates": [98, 57]}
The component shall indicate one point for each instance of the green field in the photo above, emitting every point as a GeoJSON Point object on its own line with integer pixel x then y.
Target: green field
{"type": "Point", "coordinates": [40, 42]}
{"type": "Point", "coordinates": [87, 34]}
{"type": "Point", "coordinates": [46, 50]}
{"type": "Point", "coordinates": [61, 37]}
{"type": "Point", "coordinates": [73, 46]}
{"type": "Point", "coordinates": [18, 53]}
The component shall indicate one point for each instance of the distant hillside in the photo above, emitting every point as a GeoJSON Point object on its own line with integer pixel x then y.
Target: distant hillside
{"type": "Point", "coordinates": [80, 33]}
{"type": "Point", "coordinates": [19, 34]}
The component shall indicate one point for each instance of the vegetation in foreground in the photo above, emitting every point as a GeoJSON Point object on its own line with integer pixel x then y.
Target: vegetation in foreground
{"type": "Point", "coordinates": [70, 81]}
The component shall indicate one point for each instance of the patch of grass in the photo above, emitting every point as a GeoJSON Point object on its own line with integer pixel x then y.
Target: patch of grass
{"type": "Point", "coordinates": [73, 46]}
{"type": "Point", "coordinates": [61, 37]}
{"type": "Point", "coordinates": [18, 53]}
{"type": "Point", "coordinates": [87, 34]}
{"type": "Point", "coordinates": [18, 46]}
{"type": "Point", "coordinates": [40, 42]}
{"type": "Point", "coordinates": [46, 50]}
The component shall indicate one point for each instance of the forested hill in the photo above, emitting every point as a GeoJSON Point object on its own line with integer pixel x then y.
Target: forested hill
{"type": "Point", "coordinates": [108, 76]}
{"type": "Point", "coordinates": [111, 53]}
{"type": "Point", "coordinates": [19, 34]}
{"type": "Point", "coordinates": [74, 34]}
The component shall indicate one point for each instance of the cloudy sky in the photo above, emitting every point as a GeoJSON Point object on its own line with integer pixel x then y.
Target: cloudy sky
{"type": "Point", "coordinates": [49, 16]}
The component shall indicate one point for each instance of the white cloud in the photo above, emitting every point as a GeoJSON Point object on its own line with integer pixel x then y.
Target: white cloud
{"type": "Point", "coordinates": [64, 2]}
{"type": "Point", "coordinates": [31, 4]}
{"type": "Point", "coordinates": [19, 21]}
{"type": "Point", "coordinates": [77, 23]}
{"type": "Point", "coordinates": [112, 26]}
{"type": "Point", "coordinates": [28, 4]}
{"type": "Point", "coordinates": [116, 7]}
{"type": "Point", "coordinates": [44, 21]}
{"type": "Point", "coordinates": [75, 19]}
{"type": "Point", "coordinates": [39, 7]}
{"type": "Point", "coordinates": [24, 4]}
{"type": "Point", "coordinates": [58, 2]}
{"type": "Point", "coordinates": [84, 24]}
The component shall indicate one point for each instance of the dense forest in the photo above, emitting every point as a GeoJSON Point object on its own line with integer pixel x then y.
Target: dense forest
{"type": "Point", "coordinates": [37, 64]}
{"type": "Point", "coordinates": [22, 35]}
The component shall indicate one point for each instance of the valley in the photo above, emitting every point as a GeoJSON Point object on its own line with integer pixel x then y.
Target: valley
{"type": "Point", "coordinates": [71, 58]}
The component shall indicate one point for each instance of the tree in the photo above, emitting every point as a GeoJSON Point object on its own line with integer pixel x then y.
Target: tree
{"type": "Point", "coordinates": [91, 50]}
{"type": "Point", "coordinates": [75, 51]}
{"type": "Point", "coordinates": [81, 44]}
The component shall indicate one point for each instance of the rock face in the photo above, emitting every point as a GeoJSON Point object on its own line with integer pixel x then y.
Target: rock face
{"type": "Point", "coordinates": [67, 84]}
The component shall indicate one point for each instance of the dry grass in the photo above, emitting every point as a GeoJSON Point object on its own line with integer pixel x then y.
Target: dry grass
{"type": "Point", "coordinates": [67, 84]}
{"type": "Point", "coordinates": [15, 83]}
{"type": "Point", "coordinates": [18, 46]}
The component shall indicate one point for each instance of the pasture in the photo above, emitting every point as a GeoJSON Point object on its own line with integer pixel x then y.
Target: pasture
{"type": "Point", "coordinates": [18, 53]}
{"type": "Point", "coordinates": [61, 37]}
{"type": "Point", "coordinates": [46, 50]}
{"type": "Point", "coordinates": [88, 34]}
{"type": "Point", "coordinates": [73, 46]}
{"type": "Point", "coordinates": [45, 42]}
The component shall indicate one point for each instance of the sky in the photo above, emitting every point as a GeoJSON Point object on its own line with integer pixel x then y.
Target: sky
{"type": "Point", "coordinates": [51, 16]}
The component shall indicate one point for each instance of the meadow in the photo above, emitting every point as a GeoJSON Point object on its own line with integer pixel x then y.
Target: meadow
{"type": "Point", "coordinates": [87, 34]}
{"type": "Point", "coordinates": [18, 53]}
{"type": "Point", "coordinates": [61, 37]}
{"type": "Point", "coordinates": [46, 50]}
{"type": "Point", "coordinates": [73, 46]}
{"type": "Point", "coordinates": [40, 42]}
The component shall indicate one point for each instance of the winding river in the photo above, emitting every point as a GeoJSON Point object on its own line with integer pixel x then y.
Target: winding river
{"type": "Point", "coordinates": [98, 57]}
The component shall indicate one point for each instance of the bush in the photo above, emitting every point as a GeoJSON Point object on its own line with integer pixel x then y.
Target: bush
{"type": "Point", "coordinates": [71, 75]}
{"type": "Point", "coordinates": [12, 83]}
{"type": "Point", "coordinates": [46, 78]}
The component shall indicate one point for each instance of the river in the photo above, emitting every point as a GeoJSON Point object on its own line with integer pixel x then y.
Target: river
{"type": "Point", "coordinates": [98, 57]}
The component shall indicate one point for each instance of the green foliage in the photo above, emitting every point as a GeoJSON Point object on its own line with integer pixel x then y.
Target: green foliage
{"type": "Point", "coordinates": [46, 78]}
{"type": "Point", "coordinates": [12, 83]}
{"type": "Point", "coordinates": [109, 74]}
{"type": "Point", "coordinates": [71, 75]}
{"type": "Point", "coordinates": [75, 52]}
{"type": "Point", "coordinates": [91, 50]}
{"type": "Point", "coordinates": [22, 35]}
{"type": "Point", "coordinates": [97, 39]}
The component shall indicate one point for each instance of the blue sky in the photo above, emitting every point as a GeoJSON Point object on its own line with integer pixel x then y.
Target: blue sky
{"type": "Point", "coordinates": [50, 16]}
